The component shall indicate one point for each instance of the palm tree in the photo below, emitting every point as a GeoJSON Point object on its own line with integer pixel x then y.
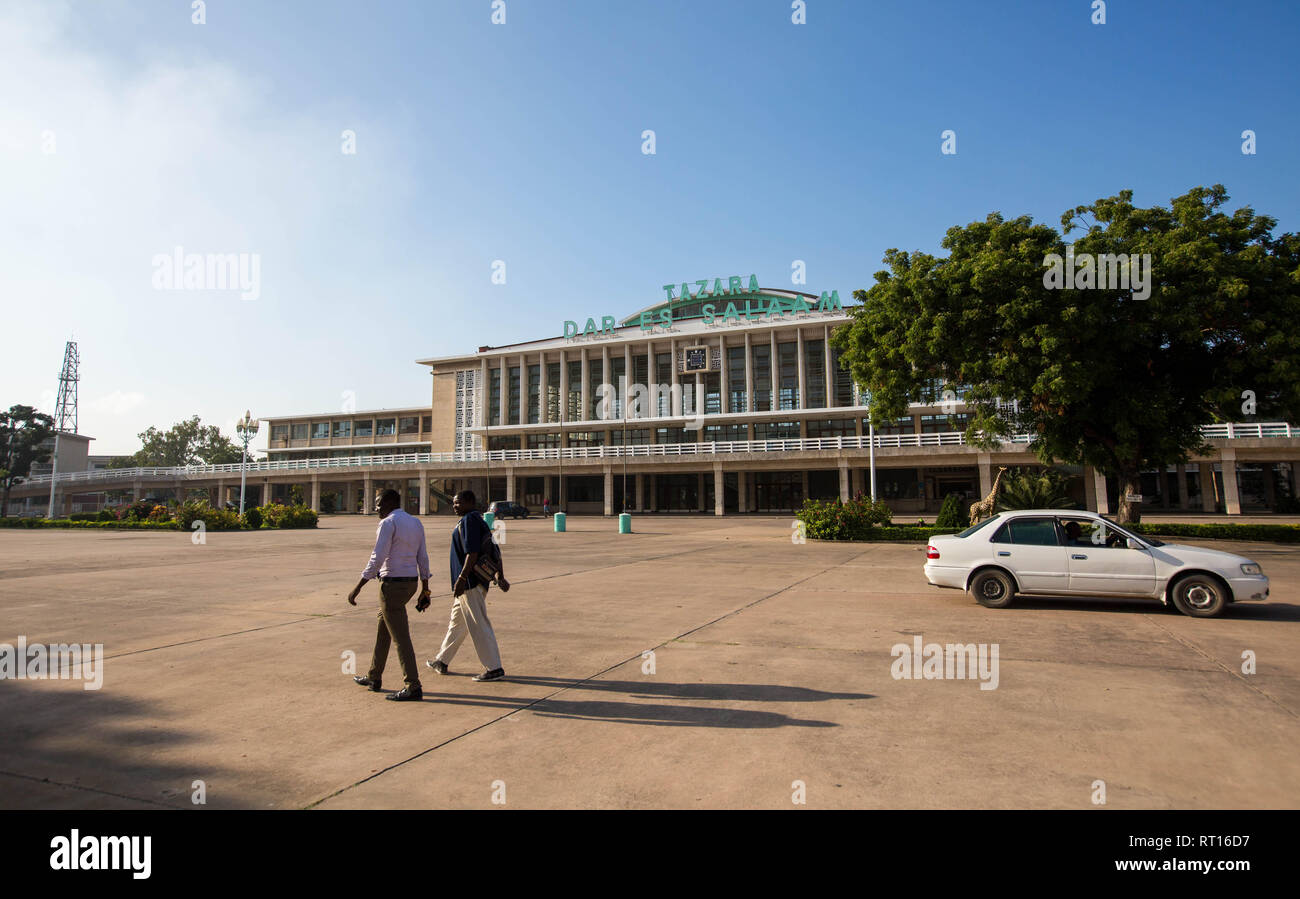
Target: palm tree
{"type": "Point", "coordinates": [1031, 489]}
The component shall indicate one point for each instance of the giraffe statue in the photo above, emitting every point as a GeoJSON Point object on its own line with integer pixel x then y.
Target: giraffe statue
{"type": "Point", "coordinates": [984, 508]}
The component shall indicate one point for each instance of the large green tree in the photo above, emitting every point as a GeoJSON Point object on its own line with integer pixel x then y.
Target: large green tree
{"type": "Point", "coordinates": [1099, 376]}
{"type": "Point", "coordinates": [186, 443]}
{"type": "Point", "coordinates": [23, 430]}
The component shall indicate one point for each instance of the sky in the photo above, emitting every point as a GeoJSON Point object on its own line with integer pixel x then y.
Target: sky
{"type": "Point", "coordinates": [128, 130]}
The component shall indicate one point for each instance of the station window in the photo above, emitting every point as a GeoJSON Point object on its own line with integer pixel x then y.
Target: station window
{"type": "Point", "coordinates": [385, 427]}
{"type": "Point", "coordinates": [736, 379]}
{"type": "Point", "coordinates": [776, 430]}
{"type": "Point", "coordinates": [363, 427]}
{"type": "Point", "coordinates": [342, 429]}
{"type": "Point", "coordinates": [300, 431]}
{"type": "Point", "coordinates": [320, 430]}
{"type": "Point", "coordinates": [814, 366]}
{"type": "Point", "coordinates": [279, 432]}
{"type": "Point", "coordinates": [409, 425]}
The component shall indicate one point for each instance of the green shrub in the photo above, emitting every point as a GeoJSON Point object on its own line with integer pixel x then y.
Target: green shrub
{"type": "Point", "coordinates": [135, 511]}
{"type": "Point", "coordinates": [953, 513]}
{"type": "Point", "coordinates": [213, 519]}
{"type": "Point", "coordinates": [281, 516]}
{"type": "Point", "coordinates": [84, 516]}
{"type": "Point", "coordinates": [107, 515]}
{"type": "Point", "coordinates": [253, 517]}
{"type": "Point", "coordinates": [836, 520]}
{"type": "Point", "coordinates": [299, 517]}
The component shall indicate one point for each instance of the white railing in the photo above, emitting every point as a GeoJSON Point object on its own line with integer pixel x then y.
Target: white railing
{"type": "Point", "coordinates": [643, 450]}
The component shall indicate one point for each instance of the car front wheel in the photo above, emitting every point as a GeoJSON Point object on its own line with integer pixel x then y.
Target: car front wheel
{"type": "Point", "coordinates": [993, 589]}
{"type": "Point", "coordinates": [1199, 595]}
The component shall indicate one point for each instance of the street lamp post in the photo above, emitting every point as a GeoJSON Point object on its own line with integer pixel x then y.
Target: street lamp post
{"type": "Point", "coordinates": [246, 427]}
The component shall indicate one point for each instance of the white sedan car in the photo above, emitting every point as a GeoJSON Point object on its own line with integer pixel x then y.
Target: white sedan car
{"type": "Point", "coordinates": [1058, 553]}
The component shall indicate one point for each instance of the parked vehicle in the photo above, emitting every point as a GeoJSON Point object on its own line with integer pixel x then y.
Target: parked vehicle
{"type": "Point", "coordinates": [1057, 553]}
{"type": "Point", "coordinates": [507, 509]}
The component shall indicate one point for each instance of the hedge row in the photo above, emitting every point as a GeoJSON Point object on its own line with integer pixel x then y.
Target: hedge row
{"type": "Point", "coordinates": [69, 523]}
{"type": "Point", "coordinates": [264, 517]}
{"type": "Point", "coordinates": [1271, 533]}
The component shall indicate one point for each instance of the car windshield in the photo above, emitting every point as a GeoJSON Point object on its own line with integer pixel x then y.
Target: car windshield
{"type": "Point", "coordinates": [975, 527]}
{"type": "Point", "coordinates": [1149, 541]}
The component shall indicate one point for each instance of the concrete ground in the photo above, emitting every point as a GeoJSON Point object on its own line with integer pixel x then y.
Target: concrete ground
{"type": "Point", "coordinates": [772, 664]}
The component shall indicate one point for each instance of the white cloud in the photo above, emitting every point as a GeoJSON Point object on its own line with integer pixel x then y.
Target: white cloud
{"type": "Point", "coordinates": [115, 403]}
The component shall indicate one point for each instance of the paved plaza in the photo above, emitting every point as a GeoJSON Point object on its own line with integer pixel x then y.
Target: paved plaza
{"type": "Point", "coordinates": [771, 665]}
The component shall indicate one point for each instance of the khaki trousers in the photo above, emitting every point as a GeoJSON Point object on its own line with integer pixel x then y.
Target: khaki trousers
{"type": "Point", "coordinates": [469, 616]}
{"type": "Point", "coordinates": [394, 628]}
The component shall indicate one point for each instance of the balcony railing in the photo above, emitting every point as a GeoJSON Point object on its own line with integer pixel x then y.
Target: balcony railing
{"type": "Point", "coordinates": [639, 450]}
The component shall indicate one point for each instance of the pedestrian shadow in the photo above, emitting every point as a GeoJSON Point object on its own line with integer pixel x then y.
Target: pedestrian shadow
{"type": "Point", "coordinates": [648, 689]}
{"type": "Point", "coordinates": [634, 712]}
{"type": "Point", "coordinates": [689, 714]}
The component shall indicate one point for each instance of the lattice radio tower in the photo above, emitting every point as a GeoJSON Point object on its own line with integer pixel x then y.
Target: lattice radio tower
{"type": "Point", "coordinates": [65, 410]}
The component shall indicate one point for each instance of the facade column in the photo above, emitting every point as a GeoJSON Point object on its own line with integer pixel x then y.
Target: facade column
{"type": "Point", "coordinates": [219, 495]}
{"type": "Point", "coordinates": [675, 401]}
{"type": "Point", "coordinates": [805, 483]}
{"type": "Point", "coordinates": [699, 493]}
{"type": "Point", "coordinates": [542, 387]}
{"type": "Point", "coordinates": [546, 488]}
{"type": "Point", "coordinates": [484, 397]}
{"type": "Point", "coordinates": [650, 506]}
{"type": "Point", "coordinates": [315, 493]}
{"type": "Point", "coordinates": [609, 491]}
{"type": "Point", "coordinates": [741, 501]}
{"type": "Point", "coordinates": [564, 386]}
{"type": "Point", "coordinates": [510, 485]}
{"type": "Point", "coordinates": [719, 490]}
{"type": "Point", "coordinates": [798, 340]}
{"type": "Point", "coordinates": [1205, 470]}
{"type": "Point", "coordinates": [424, 493]}
{"type": "Point", "coordinates": [137, 491]}
{"type": "Point", "coordinates": [640, 492]}
{"type": "Point", "coordinates": [986, 473]}
{"type": "Point", "coordinates": [749, 374]}
{"type": "Point", "coordinates": [1099, 487]}
{"type": "Point", "coordinates": [585, 412]}
{"type": "Point", "coordinates": [773, 372]}
{"type": "Point", "coordinates": [1181, 474]}
{"type": "Point", "coordinates": [368, 496]}
{"type": "Point", "coordinates": [181, 490]}
{"type": "Point", "coordinates": [844, 481]}
{"type": "Point", "coordinates": [1231, 497]}
{"type": "Point", "coordinates": [830, 373]}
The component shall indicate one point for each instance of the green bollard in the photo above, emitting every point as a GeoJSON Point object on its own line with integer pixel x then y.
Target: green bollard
{"type": "Point", "coordinates": [490, 518]}
{"type": "Point", "coordinates": [625, 523]}
{"type": "Point", "coordinates": [559, 522]}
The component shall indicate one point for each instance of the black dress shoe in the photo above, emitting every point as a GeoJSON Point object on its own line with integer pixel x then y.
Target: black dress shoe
{"type": "Point", "coordinates": [494, 674]}
{"type": "Point", "coordinates": [406, 694]}
{"type": "Point", "coordinates": [365, 681]}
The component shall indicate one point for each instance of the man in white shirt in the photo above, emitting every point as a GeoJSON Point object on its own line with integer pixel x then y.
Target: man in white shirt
{"type": "Point", "coordinates": [399, 556]}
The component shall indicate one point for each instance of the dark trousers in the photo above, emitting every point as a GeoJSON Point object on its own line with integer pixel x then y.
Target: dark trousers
{"type": "Point", "coordinates": [394, 628]}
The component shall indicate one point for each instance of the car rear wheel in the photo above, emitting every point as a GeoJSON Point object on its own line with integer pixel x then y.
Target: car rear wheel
{"type": "Point", "coordinates": [993, 589]}
{"type": "Point", "coordinates": [1199, 595]}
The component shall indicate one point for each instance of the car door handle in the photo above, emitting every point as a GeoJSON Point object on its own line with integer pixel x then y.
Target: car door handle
{"type": "Point", "coordinates": [1078, 556]}
{"type": "Point", "coordinates": [1003, 552]}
